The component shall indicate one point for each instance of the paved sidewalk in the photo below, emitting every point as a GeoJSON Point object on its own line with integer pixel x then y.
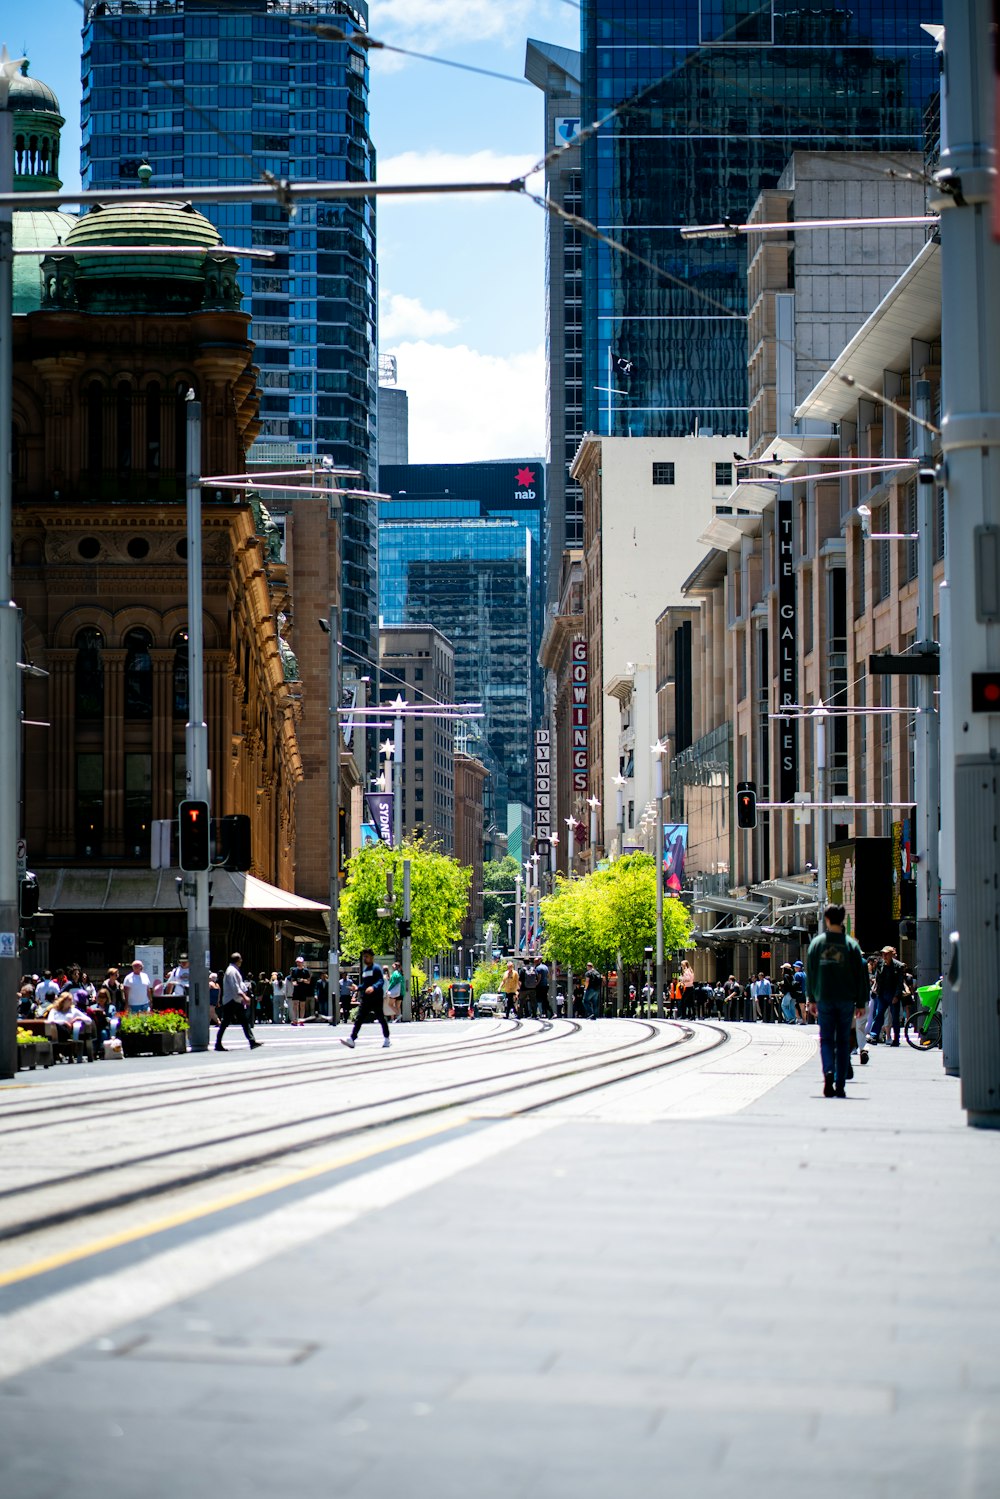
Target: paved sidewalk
{"type": "Point", "coordinates": [797, 1300]}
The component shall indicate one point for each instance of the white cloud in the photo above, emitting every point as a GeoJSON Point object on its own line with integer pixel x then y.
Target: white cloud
{"type": "Point", "coordinates": [465, 405]}
{"type": "Point", "coordinates": [407, 317]}
{"type": "Point", "coordinates": [453, 166]}
{"type": "Point", "coordinates": [428, 23]}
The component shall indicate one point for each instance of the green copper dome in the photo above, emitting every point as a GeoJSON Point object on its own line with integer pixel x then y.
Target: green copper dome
{"type": "Point", "coordinates": [41, 230]}
{"type": "Point", "coordinates": [27, 94]}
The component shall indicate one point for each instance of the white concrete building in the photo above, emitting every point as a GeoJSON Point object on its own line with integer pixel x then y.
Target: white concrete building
{"type": "Point", "coordinates": [647, 500]}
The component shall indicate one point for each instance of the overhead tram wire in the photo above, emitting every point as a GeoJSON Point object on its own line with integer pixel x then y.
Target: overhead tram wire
{"type": "Point", "coordinates": [372, 44]}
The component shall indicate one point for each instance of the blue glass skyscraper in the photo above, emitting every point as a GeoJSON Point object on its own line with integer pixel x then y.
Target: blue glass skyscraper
{"type": "Point", "coordinates": [221, 91]}
{"type": "Point", "coordinates": [712, 98]}
{"type": "Point", "coordinates": [459, 547]}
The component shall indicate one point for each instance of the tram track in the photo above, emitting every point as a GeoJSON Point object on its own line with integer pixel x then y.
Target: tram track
{"type": "Point", "coordinates": [23, 1119]}
{"type": "Point", "coordinates": [650, 1053]}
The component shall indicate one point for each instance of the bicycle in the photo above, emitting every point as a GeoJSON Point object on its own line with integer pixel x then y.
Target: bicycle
{"type": "Point", "coordinates": [923, 1028]}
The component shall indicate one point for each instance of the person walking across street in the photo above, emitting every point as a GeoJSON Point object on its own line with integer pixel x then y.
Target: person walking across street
{"type": "Point", "coordinates": [371, 1000]}
{"type": "Point", "coordinates": [510, 986]}
{"type": "Point", "coordinates": [542, 1006]}
{"type": "Point", "coordinates": [529, 986]}
{"type": "Point", "coordinates": [235, 1004]}
{"type": "Point", "coordinates": [394, 998]}
{"type": "Point", "coordinates": [890, 983]}
{"type": "Point", "coordinates": [837, 983]}
{"type": "Point", "coordinates": [591, 992]}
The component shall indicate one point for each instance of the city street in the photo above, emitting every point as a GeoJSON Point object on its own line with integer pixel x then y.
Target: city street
{"type": "Point", "coordinates": [547, 1260]}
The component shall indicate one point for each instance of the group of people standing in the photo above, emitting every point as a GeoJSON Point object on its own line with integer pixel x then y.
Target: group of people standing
{"type": "Point", "coordinates": [526, 989]}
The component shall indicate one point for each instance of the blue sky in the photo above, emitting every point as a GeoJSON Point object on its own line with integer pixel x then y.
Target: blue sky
{"type": "Point", "coordinates": [462, 288]}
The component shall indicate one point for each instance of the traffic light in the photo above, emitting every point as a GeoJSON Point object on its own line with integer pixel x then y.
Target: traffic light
{"type": "Point", "coordinates": [746, 805]}
{"type": "Point", "coordinates": [986, 692]}
{"type": "Point", "coordinates": [27, 897]}
{"type": "Point", "coordinates": [193, 831]}
{"type": "Point", "coordinates": [233, 842]}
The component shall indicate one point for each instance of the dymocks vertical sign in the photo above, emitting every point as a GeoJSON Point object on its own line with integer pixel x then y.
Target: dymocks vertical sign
{"type": "Point", "coordinates": [788, 673]}
{"type": "Point", "coordinates": [579, 712]}
{"type": "Point", "coordinates": [543, 784]}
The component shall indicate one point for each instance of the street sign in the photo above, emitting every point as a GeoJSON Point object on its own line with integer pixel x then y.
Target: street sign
{"type": "Point", "coordinates": [8, 944]}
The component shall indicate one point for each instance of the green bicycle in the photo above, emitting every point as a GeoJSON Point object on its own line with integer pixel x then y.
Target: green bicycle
{"type": "Point", "coordinates": [923, 1028]}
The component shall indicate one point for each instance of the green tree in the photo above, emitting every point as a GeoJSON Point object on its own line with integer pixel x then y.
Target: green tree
{"type": "Point", "coordinates": [612, 911]}
{"type": "Point", "coordinates": [486, 978]}
{"type": "Point", "coordinates": [499, 875]}
{"type": "Point", "coordinates": [439, 899]}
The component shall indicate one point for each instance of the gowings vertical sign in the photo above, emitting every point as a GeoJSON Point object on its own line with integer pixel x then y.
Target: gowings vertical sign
{"type": "Point", "coordinates": [579, 713]}
{"type": "Point", "coordinates": [788, 674]}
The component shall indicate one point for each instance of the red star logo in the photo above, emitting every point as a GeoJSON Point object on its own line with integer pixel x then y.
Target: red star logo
{"type": "Point", "coordinates": [525, 476]}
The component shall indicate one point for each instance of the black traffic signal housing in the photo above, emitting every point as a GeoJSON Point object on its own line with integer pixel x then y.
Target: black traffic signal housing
{"type": "Point", "coordinates": [194, 836]}
{"type": "Point", "coordinates": [233, 842]}
{"type": "Point", "coordinates": [746, 805]}
{"type": "Point", "coordinates": [27, 897]}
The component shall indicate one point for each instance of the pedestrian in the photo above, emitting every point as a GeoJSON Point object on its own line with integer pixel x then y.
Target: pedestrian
{"type": "Point", "coordinates": [277, 998]}
{"type": "Point", "coordinates": [321, 991]}
{"type": "Point", "coordinates": [138, 988]}
{"type": "Point", "coordinates": [763, 997]}
{"type": "Point", "coordinates": [214, 999]}
{"type": "Point", "coordinates": [890, 982]}
{"type": "Point", "coordinates": [799, 976]}
{"type": "Point", "coordinates": [302, 991]}
{"type": "Point", "coordinates": [837, 984]}
{"type": "Point", "coordinates": [542, 1005]}
{"type": "Point", "coordinates": [235, 1005]}
{"type": "Point", "coordinates": [178, 980]}
{"type": "Point", "coordinates": [529, 986]}
{"type": "Point", "coordinates": [510, 986]}
{"type": "Point", "coordinates": [46, 990]}
{"type": "Point", "coordinates": [591, 992]}
{"type": "Point", "coordinates": [347, 992]}
{"type": "Point", "coordinates": [394, 997]}
{"type": "Point", "coordinates": [371, 987]}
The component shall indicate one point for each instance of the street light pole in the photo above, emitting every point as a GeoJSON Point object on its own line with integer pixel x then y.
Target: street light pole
{"type": "Point", "coordinates": [620, 784]}
{"type": "Point", "coordinates": [571, 829]}
{"type": "Point", "coordinates": [397, 774]}
{"type": "Point", "coordinates": [196, 740]}
{"type": "Point", "coordinates": [819, 717]}
{"type": "Point", "coordinates": [659, 750]}
{"type": "Point", "coordinates": [332, 627]}
{"type": "Point", "coordinates": [553, 850]}
{"type": "Point", "coordinates": [970, 443]}
{"type": "Point", "coordinates": [10, 698]}
{"type": "Point", "coordinates": [928, 743]}
{"type": "Point", "coordinates": [594, 805]}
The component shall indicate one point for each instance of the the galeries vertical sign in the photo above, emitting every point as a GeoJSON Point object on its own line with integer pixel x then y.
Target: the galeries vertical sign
{"type": "Point", "coordinates": [579, 719]}
{"type": "Point", "coordinates": [788, 673]}
{"type": "Point", "coordinates": [543, 784]}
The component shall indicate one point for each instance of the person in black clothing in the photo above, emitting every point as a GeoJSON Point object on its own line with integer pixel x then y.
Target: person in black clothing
{"type": "Point", "coordinates": [371, 999]}
{"type": "Point", "coordinates": [542, 1006]}
{"type": "Point", "coordinates": [890, 981]}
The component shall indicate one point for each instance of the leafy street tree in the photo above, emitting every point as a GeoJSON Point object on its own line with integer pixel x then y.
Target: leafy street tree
{"type": "Point", "coordinates": [499, 875]}
{"type": "Point", "coordinates": [486, 978]}
{"type": "Point", "coordinates": [439, 899]}
{"type": "Point", "coordinates": [612, 911]}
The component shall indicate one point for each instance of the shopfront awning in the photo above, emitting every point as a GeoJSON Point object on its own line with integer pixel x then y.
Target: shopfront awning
{"type": "Point", "coordinates": [730, 905]}
{"type": "Point", "coordinates": [144, 890]}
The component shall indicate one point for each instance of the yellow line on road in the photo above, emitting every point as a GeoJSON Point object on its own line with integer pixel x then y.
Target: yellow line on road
{"type": "Point", "coordinates": [220, 1205]}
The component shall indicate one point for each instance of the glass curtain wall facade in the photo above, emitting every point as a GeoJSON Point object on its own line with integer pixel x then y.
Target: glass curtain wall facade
{"type": "Point", "coordinates": [459, 546]}
{"type": "Point", "coordinates": [221, 91]}
{"type": "Point", "coordinates": [712, 97]}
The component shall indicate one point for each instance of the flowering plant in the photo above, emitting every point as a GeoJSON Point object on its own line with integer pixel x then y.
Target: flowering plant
{"type": "Point", "coordinates": [153, 1022]}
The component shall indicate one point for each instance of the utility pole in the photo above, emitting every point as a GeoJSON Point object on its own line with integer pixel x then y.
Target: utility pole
{"type": "Point", "coordinates": [819, 717]}
{"type": "Point", "coordinates": [517, 914]}
{"type": "Point", "coordinates": [333, 954]}
{"type": "Point", "coordinates": [10, 687]}
{"type": "Point", "coordinates": [659, 750]}
{"type": "Point", "coordinates": [196, 740]}
{"type": "Point", "coordinates": [970, 442]}
{"type": "Point", "coordinates": [946, 845]}
{"type": "Point", "coordinates": [927, 757]}
{"type": "Point", "coordinates": [594, 805]}
{"type": "Point", "coordinates": [407, 944]}
{"type": "Point", "coordinates": [397, 775]}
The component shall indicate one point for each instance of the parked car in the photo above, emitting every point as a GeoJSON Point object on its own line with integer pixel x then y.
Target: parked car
{"type": "Point", "coordinates": [489, 1004]}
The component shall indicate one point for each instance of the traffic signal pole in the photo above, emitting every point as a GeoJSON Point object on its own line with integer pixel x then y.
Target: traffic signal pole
{"type": "Point", "coordinates": [10, 696]}
{"type": "Point", "coordinates": [927, 757]}
{"type": "Point", "coordinates": [196, 740]}
{"type": "Point", "coordinates": [970, 441]}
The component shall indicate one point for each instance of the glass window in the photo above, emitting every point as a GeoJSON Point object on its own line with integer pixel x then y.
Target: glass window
{"type": "Point", "coordinates": [89, 675]}
{"type": "Point", "coordinates": [663, 473]}
{"type": "Point", "coordinates": [138, 675]}
{"type": "Point", "coordinates": [724, 475]}
{"type": "Point", "coordinates": [89, 805]}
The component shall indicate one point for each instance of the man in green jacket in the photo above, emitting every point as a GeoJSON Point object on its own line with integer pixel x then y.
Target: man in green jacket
{"type": "Point", "coordinates": [837, 979]}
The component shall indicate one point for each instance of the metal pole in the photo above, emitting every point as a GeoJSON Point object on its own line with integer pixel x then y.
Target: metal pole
{"type": "Point", "coordinates": [407, 944]}
{"type": "Point", "coordinates": [10, 716]}
{"type": "Point", "coordinates": [196, 740]}
{"type": "Point", "coordinates": [621, 821]}
{"type": "Point", "coordinates": [397, 780]}
{"type": "Point", "coordinates": [570, 847]}
{"type": "Point", "coordinates": [819, 717]}
{"type": "Point", "coordinates": [619, 970]}
{"type": "Point", "coordinates": [593, 803]}
{"type": "Point", "coordinates": [333, 953]}
{"type": "Point", "coordinates": [517, 914]}
{"type": "Point", "coordinates": [970, 442]}
{"type": "Point", "coordinates": [946, 845]}
{"type": "Point", "coordinates": [658, 771]}
{"type": "Point", "coordinates": [927, 747]}
{"type": "Point", "coordinates": [553, 846]}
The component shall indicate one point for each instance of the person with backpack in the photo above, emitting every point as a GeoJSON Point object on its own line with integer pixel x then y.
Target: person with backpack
{"type": "Point", "coordinates": [889, 985]}
{"type": "Point", "coordinates": [542, 1005]}
{"type": "Point", "coordinates": [837, 983]}
{"type": "Point", "coordinates": [592, 992]}
{"type": "Point", "coordinates": [529, 986]}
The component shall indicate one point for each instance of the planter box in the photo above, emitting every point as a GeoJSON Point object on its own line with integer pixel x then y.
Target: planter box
{"type": "Point", "coordinates": [181, 1042]}
{"type": "Point", "coordinates": [157, 1044]}
{"type": "Point", "coordinates": [35, 1054]}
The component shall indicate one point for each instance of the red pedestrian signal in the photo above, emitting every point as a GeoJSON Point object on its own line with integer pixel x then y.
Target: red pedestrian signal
{"type": "Point", "coordinates": [194, 836]}
{"type": "Point", "coordinates": [746, 805]}
{"type": "Point", "coordinates": [986, 692]}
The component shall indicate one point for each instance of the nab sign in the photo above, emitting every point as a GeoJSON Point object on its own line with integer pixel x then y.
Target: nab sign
{"type": "Point", "coordinates": [524, 481]}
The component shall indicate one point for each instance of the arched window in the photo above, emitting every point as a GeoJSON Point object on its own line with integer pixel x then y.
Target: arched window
{"type": "Point", "coordinates": [89, 675]}
{"type": "Point", "coordinates": [95, 429]}
{"type": "Point", "coordinates": [138, 675]}
{"type": "Point", "coordinates": [152, 428]}
{"type": "Point", "coordinates": [123, 425]}
{"type": "Point", "coordinates": [181, 675]}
